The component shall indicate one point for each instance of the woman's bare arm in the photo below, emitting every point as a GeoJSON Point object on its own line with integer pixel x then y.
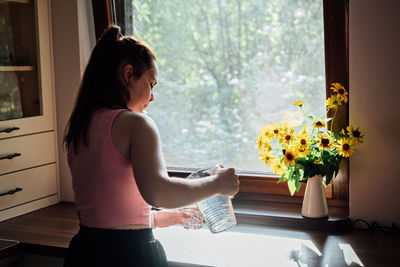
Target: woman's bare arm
{"type": "Point", "coordinates": [156, 187]}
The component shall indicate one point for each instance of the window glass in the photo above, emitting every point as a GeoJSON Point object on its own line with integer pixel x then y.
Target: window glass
{"type": "Point", "coordinates": [226, 69]}
{"type": "Point", "coordinates": [20, 95]}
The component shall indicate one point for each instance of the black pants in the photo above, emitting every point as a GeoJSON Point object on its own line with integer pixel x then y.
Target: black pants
{"type": "Point", "coordinates": [114, 248]}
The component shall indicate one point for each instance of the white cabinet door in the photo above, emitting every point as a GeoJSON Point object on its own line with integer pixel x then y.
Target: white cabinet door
{"type": "Point", "coordinates": [26, 93]}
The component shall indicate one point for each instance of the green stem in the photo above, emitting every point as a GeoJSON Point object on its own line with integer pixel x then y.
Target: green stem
{"type": "Point", "coordinates": [301, 107]}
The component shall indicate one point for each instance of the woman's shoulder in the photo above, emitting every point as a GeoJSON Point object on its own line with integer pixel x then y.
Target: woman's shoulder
{"type": "Point", "coordinates": [131, 128]}
{"type": "Point", "coordinates": [133, 118]}
{"type": "Point", "coordinates": [136, 122]}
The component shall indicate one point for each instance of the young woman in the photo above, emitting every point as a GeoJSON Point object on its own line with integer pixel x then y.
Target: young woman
{"type": "Point", "coordinates": [117, 166]}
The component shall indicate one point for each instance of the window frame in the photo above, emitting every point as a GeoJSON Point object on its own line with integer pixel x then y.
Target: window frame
{"type": "Point", "coordinates": [264, 187]}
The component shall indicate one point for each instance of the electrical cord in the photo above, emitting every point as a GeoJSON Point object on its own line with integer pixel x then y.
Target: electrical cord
{"type": "Point", "coordinates": [374, 226]}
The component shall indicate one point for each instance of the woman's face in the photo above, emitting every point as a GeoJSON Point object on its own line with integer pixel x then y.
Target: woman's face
{"type": "Point", "coordinates": [141, 90]}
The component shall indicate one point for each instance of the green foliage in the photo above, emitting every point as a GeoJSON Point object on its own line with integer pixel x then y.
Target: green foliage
{"type": "Point", "coordinates": [293, 176]}
{"type": "Point", "coordinates": [306, 167]}
{"type": "Point", "coordinates": [329, 167]}
{"type": "Point", "coordinates": [225, 68]}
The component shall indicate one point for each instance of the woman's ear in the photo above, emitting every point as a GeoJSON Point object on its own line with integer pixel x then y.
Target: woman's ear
{"type": "Point", "coordinates": [127, 74]}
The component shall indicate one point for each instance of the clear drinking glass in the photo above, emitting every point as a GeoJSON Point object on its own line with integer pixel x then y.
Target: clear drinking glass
{"type": "Point", "coordinates": [195, 221]}
{"type": "Point", "coordinates": [217, 210]}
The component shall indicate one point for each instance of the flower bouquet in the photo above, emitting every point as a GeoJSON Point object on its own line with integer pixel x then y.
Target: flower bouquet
{"type": "Point", "coordinates": [298, 156]}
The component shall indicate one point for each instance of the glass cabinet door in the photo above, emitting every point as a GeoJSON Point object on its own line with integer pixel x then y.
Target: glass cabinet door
{"type": "Point", "coordinates": [25, 67]}
{"type": "Point", "coordinates": [19, 90]}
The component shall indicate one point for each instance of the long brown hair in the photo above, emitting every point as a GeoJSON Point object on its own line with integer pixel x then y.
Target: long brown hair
{"type": "Point", "coordinates": [101, 85]}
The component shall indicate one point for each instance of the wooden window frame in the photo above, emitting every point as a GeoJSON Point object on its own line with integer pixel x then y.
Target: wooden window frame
{"type": "Point", "coordinates": [102, 15]}
{"type": "Point", "coordinates": [256, 186]}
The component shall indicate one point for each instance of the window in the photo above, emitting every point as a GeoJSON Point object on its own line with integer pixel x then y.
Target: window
{"type": "Point", "coordinates": [229, 67]}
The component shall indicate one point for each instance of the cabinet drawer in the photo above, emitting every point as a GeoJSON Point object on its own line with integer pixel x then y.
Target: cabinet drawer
{"type": "Point", "coordinates": [35, 183]}
{"type": "Point", "coordinates": [27, 151]}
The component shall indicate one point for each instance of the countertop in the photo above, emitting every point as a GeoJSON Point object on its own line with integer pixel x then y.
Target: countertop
{"type": "Point", "coordinates": [48, 232]}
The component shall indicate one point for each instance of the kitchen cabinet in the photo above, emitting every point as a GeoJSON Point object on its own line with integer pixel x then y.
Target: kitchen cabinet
{"type": "Point", "coordinates": [28, 148]}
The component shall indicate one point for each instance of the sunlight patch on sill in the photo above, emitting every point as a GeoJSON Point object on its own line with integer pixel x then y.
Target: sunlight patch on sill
{"type": "Point", "coordinates": [350, 255]}
{"type": "Point", "coordinates": [235, 248]}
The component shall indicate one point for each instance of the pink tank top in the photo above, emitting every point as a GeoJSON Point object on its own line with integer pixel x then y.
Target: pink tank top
{"type": "Point", "coordinates": [104, 185]}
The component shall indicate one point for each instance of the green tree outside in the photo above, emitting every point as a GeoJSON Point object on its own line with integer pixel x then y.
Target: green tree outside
{"type": "Point", "coordinates": [226, 69]}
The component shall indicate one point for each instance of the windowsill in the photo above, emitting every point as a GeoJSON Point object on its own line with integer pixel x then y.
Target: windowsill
{"type": "Point", "coordinates": [268, 213]}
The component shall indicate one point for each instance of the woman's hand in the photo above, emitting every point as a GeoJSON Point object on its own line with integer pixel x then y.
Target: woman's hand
{"type": "Point", "coordinates": [227, 179]}
{"type": "Point", "coordinates": [171, 217]}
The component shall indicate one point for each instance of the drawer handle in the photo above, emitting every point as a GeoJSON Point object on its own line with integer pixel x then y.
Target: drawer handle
{"type": "Point", "coordinates": [10, 156]}
{"type": "Point", "coordinates": [11, 192]}
{"type": "Point", "coordinates": [9, 130]}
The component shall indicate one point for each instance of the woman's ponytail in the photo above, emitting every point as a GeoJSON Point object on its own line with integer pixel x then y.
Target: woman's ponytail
{"type": "Point", "coordinates": [110, 37]}
{"type": "Point", "coordinates": [101, 82]}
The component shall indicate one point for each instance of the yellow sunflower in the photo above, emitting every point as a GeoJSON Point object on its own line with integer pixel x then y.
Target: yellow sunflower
{"type": "Point", "coordinates": [335, 86]}
{"type": "Point", "coordinates": [284, 126]}
{"type": "Point", "coordinates": [299, 103]}
{"type": "Point", "coordinates": [302, 143]}
{"type": "Point", "coordinates": [304, 131]}
{"type": "Point", "coordinates": [266, 134]}
{"type": "Point", "coordinates": [275, 130]}
{"type": "Point", "coordinates": [266, 157]}
{"type": "Point", "coordinates": [341, 92]}
{"type": "Point", "coordinates": [319, 124]}
{"type": "Point", "coordinates": [325, 141]}
{"type": "Point", "coordinates": [277, 167]}
{"type": "Point", "coordinates": [287, 137]}
{"type": "Point", "coordinates": [345, 147]}
{"type": "Point", "coordinates": [290, 156]}
{"type": "Point", "coordinates": [355, 134]}
{"type": "Point", "coordinates": [303, 151]}
{"type": "Point", "coordinates": [333, 102]}
{"type": "Point", "coordinates": [264, 130]}
{"type": "Point", "coordinates": [262, 142]}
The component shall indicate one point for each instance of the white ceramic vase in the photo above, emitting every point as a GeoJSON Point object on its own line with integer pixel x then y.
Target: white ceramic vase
{"type": "Point", "coordinates": [314, 201]}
